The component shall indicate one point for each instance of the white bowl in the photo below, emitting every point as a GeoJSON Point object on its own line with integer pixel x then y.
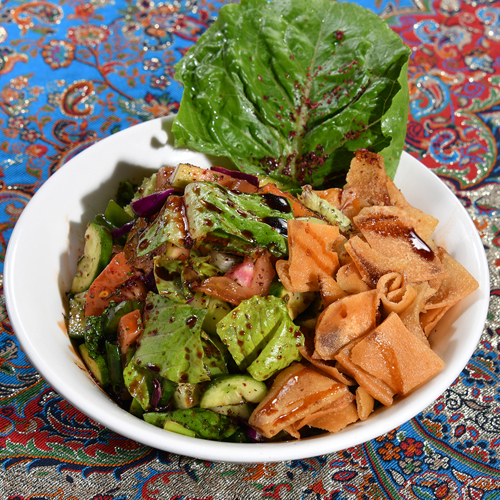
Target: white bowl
{"type": "Point", "coordinates": [48, 238]}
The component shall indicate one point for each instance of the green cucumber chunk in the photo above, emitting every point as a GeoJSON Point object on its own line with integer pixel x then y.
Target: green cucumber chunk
{"type": "Point", "coordinates": [172, 426]}
{"type": "Point", "coordinates": [186, 396]}
{"type": "Point", "coordinates": [76, 317]}
{"type": "Point", "coordinates": [97, 366]}
{"type": "Point", "coordinates": [233, 390]}
{"type": "Point", "coordinates": [96, 256]}
{"type": "Point", "coordinates": [242, 410]}
{"type": "Point", "coordinates": [114, 363]}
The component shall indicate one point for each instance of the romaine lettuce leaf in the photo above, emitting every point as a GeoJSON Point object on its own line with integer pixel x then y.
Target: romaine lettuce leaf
{"type": "Point", "coordinates": [260, 336]}
{"type": "Point", "coordinates": [171, 345]}
{"type": "Point", "coordinates": [173, 277]}
{"type": "Point", "coordinates": [294, 87]}
{"type": "Point", "coordinates": [168, 226]}
{"type": "Point", "coordinates": [235, 221]}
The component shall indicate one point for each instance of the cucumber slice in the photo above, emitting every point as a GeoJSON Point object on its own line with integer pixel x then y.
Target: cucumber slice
{"type": "Point", "coordinates": [186, 396]}
{"type": "Point", "coordinates": [136, 409]}
{"type": "Point", "coordinates": [76, 318]}
{"type": "Point", "coordinates": [172, 426]}
{"type": "Point", "coordinates": [155, 418]}
{"type": "Point", "coordinates": [243, 410]}
{"type": "Point", "coordinates": [233, 390]}
{"type": "Point", "coordinates": [97, 367]}
{"type": "Point", "coordinates": [96, 256]}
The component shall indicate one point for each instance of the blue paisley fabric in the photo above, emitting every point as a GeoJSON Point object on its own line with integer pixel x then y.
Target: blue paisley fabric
{"type": "Point", "coordinates": [75, 71]}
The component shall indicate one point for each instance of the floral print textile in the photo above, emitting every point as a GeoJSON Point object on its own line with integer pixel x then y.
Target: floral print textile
{"type": "Point", "coordinates": [73, 72]}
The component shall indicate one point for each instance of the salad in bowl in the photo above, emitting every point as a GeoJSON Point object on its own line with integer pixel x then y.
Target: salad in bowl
{"type": "Point", "coordinates": [214, 304]}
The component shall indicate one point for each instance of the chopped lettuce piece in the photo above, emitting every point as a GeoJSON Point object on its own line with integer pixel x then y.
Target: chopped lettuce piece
{"type": "Point", "coordinates": [145, 189]}
{"type": "Point", "coordinates": [260, 336]}
{"type": "Point", "coordinates": [212, 357]}
{"type": "Point", "coordinates": [294, 87]}
{"type": "Point", "coordinates": [174, 277]}
{"type": "Point", "coordinates": [235, 221]}
{"type": "Point", "coordinates": [171, 344]}
{"type": "Point", "coordinates": [168, 226]}
{"type": "Point", "coordinates": [139, 383]}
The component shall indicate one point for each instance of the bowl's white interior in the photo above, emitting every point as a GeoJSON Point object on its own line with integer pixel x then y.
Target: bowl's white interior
{"type": "Point", "coordinates": [48, 238]}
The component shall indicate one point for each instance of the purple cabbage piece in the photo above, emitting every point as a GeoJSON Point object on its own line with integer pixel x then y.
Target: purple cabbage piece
{"type": "Point", "coordinates": [253, 434]}
{"type": "Point", "coordinates": [150, 282]}
{"type": "Point", "coordinates": [149, 205]}
{"type": "Point", "coordinates": [252, 179]}
{"type": "Point", "coordinates": [122, 231]}
{"type": "Point", "coordinates": [156, 396]}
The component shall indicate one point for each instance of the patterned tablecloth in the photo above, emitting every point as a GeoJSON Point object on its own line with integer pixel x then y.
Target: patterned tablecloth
{"type": "Point", "coordinates": [75, 71]}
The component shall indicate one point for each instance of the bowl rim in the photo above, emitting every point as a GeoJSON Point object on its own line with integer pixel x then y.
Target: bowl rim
{"type": "Point", "coordinates": [125, 424]}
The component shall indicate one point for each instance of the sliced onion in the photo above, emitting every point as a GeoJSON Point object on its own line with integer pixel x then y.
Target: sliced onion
{"type": "Point", "coordinates": [149, 205]}
{"type": "Point", "coordinates": [122, 231]}
{"type": "Point", "coordinates": [252, 179]}
{"type": "Point", "coordinates": [223, 261]}
{"type": "Point", "coordinates": [254, 435]}
{"type": "Point", "coordinates": [156, 396]}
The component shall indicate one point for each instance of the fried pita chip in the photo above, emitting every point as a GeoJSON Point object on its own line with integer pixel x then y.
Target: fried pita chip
{"type": "Point", "coordinates": [371, 264]}
{"type": "Point", "coordinates": [335, 407]}
{"type": "Point", "coordinates": [394, 294]}
{"type": "Point", "coordinates": [396, 357]}
{"type": "Point", "coordinates": [393, 234]}
{"type": "Point", "coordinates": [296, 392]}
{"type": "Point", "coordinates": [378, 389]}
{"type": "Point", "coordinates": [457, 285]}
{"type": "Point", "coordinates": [311, 253]}
{"type": "Point", "coordinates": [332, 196]}
{"type": "Point", "coordinates": [364, 403]}
{"type": "Point", "coordinates": [411, 314]}
{"type": "Point", "coordinates": [344, 320]}
{"type": "Point", "coordinates": [325, 366]}
{"type": "Point", "coordinates": [350, 280]}
{"type": "Point", "coordinates": [335, 421]}
{"type": "Point", "coordinates": [330, 290]}
{"type": "Point", "coordinates": [367, 178]}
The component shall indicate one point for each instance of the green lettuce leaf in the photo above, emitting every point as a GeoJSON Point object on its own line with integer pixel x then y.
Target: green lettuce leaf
{"type": "Point", "coordinates": [168, 226]}
{"type": "Point", "coordinates": [234, 221]}
{"type": "Point", "coordinates": [294, 87]}
{"type": "Point", "coordinates": [171, 345]}
{"type": "Point", "coordinates": [260, 336]}
{"type": "Point", "coordinates": [173, 277]}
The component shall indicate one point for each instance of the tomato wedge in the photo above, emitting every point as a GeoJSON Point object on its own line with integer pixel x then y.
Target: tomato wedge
{"type": "Point", "coordinates": [115, 283]}
{"type": "Point", "coordinates": [129, 330]}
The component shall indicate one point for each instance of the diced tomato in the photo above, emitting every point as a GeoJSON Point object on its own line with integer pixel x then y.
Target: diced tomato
{"type": "Point", "coordinates": [129, 330]}
{"type": "Point", "coordinates": [226, 288]}
{"type": "Point", "coordinates": [115, 283]}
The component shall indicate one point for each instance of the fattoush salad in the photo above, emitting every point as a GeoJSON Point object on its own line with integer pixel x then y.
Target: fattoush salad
{"type": "Point", "coordinates": [216, 304]}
